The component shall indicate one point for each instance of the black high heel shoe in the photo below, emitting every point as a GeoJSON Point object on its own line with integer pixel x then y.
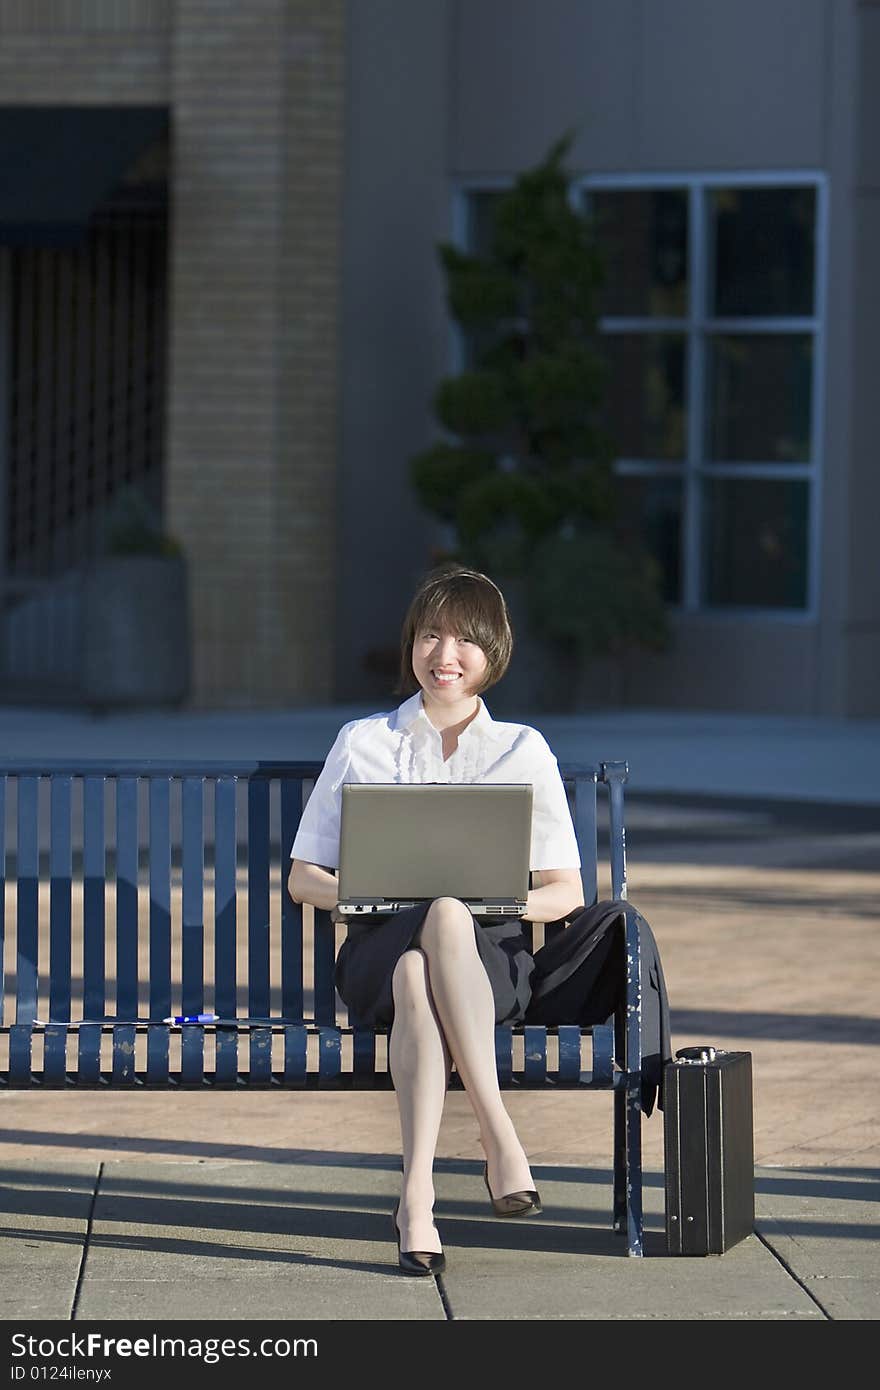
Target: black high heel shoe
{"type": "Point", "coordinates": [514, 1203]}
{"type": "Point", "coordinates": [417, 1261]}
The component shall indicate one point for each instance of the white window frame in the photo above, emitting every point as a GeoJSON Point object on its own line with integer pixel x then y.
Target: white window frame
{"type": "Point", "coordinates": [697, 326]}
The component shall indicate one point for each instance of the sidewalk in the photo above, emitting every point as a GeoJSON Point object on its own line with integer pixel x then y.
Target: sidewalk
{"type": "Point", "coordinates": [825, 760]}
{"type": "Point", "coordinates": [266, 1205]}
{"type": "Point", "coordinates": [300, 1240]}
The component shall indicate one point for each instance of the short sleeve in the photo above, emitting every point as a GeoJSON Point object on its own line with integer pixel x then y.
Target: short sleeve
{"type": "Point", "coordinates": [554, 842]}
{"type": "Point", "coordinates": [317, 838]}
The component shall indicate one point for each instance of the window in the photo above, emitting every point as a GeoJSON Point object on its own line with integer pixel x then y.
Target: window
{"type": "Point", "coordinates": [711, 319]}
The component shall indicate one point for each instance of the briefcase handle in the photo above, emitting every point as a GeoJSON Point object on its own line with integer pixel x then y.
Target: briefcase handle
{"type": "Point", "coordinates": [700, 1054]}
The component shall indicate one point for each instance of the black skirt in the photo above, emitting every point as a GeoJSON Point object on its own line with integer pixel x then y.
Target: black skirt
{"type": "Point", "coordinates": [366, 961]}
{"type": "Point", "coordinates": [579, 976]}
{"type": "Point", "coordinates": [575, 978]}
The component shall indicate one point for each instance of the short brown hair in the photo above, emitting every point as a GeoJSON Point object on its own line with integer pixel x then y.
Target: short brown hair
{"type": "Point", "coordinates": [470, 603]}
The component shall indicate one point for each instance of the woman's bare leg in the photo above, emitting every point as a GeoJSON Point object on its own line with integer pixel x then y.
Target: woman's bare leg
{"type": "Point", "coordinates": [462, 998]}
{"type": "Point", "coordinates": [420, 1067]}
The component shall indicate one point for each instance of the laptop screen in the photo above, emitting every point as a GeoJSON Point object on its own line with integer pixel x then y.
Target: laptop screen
{"type": "Point", "coordinates": [429, 840]}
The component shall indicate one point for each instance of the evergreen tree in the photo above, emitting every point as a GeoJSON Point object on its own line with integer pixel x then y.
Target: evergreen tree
{"type": "Point", "coordinates": [525, 473]}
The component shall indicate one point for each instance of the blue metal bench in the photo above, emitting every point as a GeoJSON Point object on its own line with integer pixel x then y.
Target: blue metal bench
{"type": "Point", "coordinates": [167, 884]}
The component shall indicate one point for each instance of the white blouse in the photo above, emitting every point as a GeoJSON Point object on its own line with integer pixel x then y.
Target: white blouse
{"type": "Point", "coordinates": [403, 746]}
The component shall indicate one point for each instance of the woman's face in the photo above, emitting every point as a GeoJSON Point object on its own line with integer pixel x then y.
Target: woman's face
{"type": "Point", "coordinates": [448, 666]}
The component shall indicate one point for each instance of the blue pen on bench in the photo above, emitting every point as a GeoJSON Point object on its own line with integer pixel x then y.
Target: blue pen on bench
{"type": "Point", "coordinates": [192, 1018]}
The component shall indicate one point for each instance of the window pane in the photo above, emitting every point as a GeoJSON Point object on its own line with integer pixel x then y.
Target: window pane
{"type": "Point", "coordinates": [481, 209]}
{"type": "Point", "coordinates": [643, 238]}
{"type": "Point", "coordinates": [755, 542]}
{"type": "Point", "coordinates": [650, 512]}
{"type": "Point", "coordinates": [645, 407]}
{"type": "Point", "coordinates": [480, 228]}
{"type": "Point", "coordinates": [758, 398]}
{"type": "Point", "coordinates": [762, 248]}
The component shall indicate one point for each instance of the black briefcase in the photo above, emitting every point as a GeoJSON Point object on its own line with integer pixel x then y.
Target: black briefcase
{"type": "Point", "coordinates": [709, 1150]}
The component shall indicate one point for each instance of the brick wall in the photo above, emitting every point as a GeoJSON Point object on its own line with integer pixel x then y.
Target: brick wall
{"type": "Point", "coordinates": [54, 17]}
{"type": "Point", "coordinates": [89, 52]}
{"type": "Point", "coordinates": [305, 517]}
{"type": "Point", "coordinates": [257, 91]}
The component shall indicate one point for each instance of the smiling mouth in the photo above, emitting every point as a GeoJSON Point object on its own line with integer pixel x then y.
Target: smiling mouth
{"type": "Point", "coordinates": [446, 679]}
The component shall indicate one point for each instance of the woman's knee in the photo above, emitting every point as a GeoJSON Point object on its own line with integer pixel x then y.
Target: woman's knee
{"type": "Point", "coordinates": [448, 926]}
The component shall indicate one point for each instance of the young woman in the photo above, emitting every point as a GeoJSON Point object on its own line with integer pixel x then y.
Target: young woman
{"type": "Point", "coordinates": [441, 978]}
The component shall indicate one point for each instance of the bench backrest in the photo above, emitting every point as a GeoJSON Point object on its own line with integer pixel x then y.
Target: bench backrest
{"type": "Point", "coordinates": [133, 892]}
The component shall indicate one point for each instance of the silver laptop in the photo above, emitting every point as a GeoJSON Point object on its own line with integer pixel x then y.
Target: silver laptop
{"type": "Point", "coordinates": [403, 843]}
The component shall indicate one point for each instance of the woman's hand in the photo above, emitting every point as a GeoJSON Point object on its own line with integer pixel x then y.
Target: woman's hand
{"type": "Point", "coordinates": [556, 894]}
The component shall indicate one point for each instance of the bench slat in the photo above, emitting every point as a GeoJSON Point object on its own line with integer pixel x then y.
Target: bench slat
{"type": "Point", "coordinates": [585, 828]}
{"type": "Point", "coordinates": [364, 1052]}
{"type": "Point", "coordinates": [504, 1055]}
{"type": "Point", "coordinates": [126, 903]}
{"type": "Point", "coordinates": [329, 1055]}
{"type": "Point", "coordinates": [258, 897]}
{"type": "Point", "coordinates": [27, 904]}
{"type": "Point", "coordinates": [3, 781]}
{"type": "Point", "coordinates": [535, 1054]}
{"type": "Point", "coordinates": [615, 776]}
{"type": "Point", "coordinates": [94, 901]}
{"type": "Point", "coordinates": [55, 1054]}
{"type": "Point", "coordinates": [569, 1038]}
{"type": "Point", "coordinates": [295, 1054]}
{"type": "Point", "coordinates": [325, 954]}
{"type": "Point", "coordinates": [158, 1061]}
{"type": "Point", "coordinates": [291, 912]}
{"type": "Point", "coordinates": [60, 874]}
{"type": "Point", "coordinates": [603, 1053]}
{"type": "Point", "coordinates": [89, 1060]}
{"type": "Point", "coordinates": [20, 1056]}
{"type": "Point", "coordinates": [158, 1055]}
{"type": "Point", "coordinates": [192, 996]}
{"type": "Point", "coordinates": [123, 1054]}
{"type": "Point", "coordinates": [260, 1055]}
{"type": "Point", "coordinates": [225, 924]}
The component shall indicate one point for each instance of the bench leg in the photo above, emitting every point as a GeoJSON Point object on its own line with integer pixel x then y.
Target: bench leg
{"type": "Point", "coordinates": [628, 1169]}
{"type": "Point", "coordinates": [634, 1172]}
{"type": "Point", "coordinates": [618, 1219]}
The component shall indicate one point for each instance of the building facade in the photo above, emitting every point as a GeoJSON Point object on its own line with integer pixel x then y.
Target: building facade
{"type": "Point", "coordinates": [245, 476]}
{"type": "Point", "coordinates": [314, 153]}
{"type": "Point", "coordinates": [730, 148]}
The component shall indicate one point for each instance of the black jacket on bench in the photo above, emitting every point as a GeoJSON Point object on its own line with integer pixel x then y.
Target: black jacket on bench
{"type": "Point", "coordinates": [580, 977]}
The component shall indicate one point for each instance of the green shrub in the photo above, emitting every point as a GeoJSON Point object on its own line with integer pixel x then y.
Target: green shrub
{"type": "Point", "coordinates": [525, 475]}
